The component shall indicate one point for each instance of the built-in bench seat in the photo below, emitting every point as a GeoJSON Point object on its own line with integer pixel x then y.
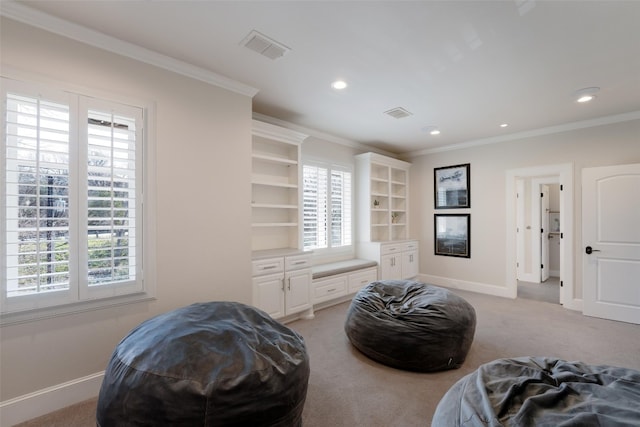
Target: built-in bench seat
{"type": "Point", "coordinates": [333, 282]}
{"type": "Point", "coordinates": [341, 267]}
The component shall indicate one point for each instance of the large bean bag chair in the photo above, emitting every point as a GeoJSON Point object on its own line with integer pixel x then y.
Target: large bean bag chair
{"type": "Point", "coordinates": [410, 325]}
{"type": "Point", "coordinates": [208, 364]}
{"type": "Point", "coordinates": [542, 391]}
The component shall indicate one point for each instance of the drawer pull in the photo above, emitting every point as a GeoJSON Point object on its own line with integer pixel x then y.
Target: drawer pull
{"type": "Point", "coordinates": [331, 290]}
{"type": "Point", "coordinates": [299, 262]}
{"type": "Point", "coordinates": [269, 267]}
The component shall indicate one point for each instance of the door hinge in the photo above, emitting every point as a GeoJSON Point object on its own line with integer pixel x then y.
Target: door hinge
{"type": "Point", "coordinates": [541, 265]}
{"type": "Point", "coordinates": [562, 235]}
{"type": "Point", "coordinates": [561, 284]}
{"type": "Point", "coordinates": [541, 194]}
{"type": "Point", "coordinates": [561, 187]}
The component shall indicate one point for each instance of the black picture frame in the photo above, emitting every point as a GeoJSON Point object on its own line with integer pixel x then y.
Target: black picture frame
{"type": "Point", "coordinates": [452, 186]}
{"type": "Point", "coordinates": [452, 235]}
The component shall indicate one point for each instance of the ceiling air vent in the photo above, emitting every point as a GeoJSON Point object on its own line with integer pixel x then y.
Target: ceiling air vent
{"type": "Point", "coordinates": [398, 113]}
{"type": "Point", "coordinates": [265, 46]}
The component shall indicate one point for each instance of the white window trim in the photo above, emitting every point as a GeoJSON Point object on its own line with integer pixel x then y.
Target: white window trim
{"type": "Point", "coordinates": [342, 252]}
{"type": "Point", "coordinates": [148, 238]}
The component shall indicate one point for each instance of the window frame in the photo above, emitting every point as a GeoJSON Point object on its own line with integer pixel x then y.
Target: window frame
{"type": "Point", "coordinates": [82, 297]}
{"type": "Point", "coordinates": [331, 252]}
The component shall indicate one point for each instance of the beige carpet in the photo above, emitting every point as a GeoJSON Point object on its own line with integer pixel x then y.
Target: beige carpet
{"type": "Point", "coordinates": [347, 389]}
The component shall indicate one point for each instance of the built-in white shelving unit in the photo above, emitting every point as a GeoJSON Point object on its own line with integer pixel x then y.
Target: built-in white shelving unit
{"type": "Point", "coordinates": [383, 216]}
{"type": "Point", "coordinates": [275, 181]}
{"type": "Point", "coordinates": [382, 198]}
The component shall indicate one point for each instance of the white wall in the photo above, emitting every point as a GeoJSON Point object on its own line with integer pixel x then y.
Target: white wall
{"type": "Point", "coordinates": [486, 269]}
{"type": "Point", "coordinates": [203, 145]}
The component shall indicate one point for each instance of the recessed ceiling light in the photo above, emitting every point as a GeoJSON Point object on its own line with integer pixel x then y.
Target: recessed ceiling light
{"type": "Point", "coordinates": [504, 125]}
{"type": "Point", "coordinates": [586, 94]}
{"type": "Point", "coordinates": [339, 84]}
{"type": "Point", "coordinates": [433, 130]}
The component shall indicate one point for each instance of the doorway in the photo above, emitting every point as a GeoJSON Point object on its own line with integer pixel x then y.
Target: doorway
{"type": "Point", "coordinates": [539, 238]}
{"type": "Point", "coordinates": [562, 175]}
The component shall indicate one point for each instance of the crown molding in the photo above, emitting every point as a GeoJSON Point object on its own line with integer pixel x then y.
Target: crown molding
{"type": "Point", "coordinates": [600, 121]}
{"type": "Point", "coordinates": [320, 135]}
{"type": "Point", "coordinates": [44, 21]}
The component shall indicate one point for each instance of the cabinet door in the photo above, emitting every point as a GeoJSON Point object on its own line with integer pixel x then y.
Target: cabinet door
{"type": "Point", "coordinates": [409, 264]}
{"type": "Point", "coordinates": [298, 291]}
{"type": "Point", "coordinates": [268, 294]}
{"type": "Point", "coordinates": [391, 267]}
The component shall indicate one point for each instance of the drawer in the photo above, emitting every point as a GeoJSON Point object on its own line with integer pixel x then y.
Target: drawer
{"type": "Point", "coordinates": [362, 278]}
{"type": "Point", "coordinates": [267, 266]}
{"type": "Point", "coordinates": [297, 262]}
{"type": "Point", "coordinates": [324, 290]}
{"type": "Point", "coordinates": [391, 248]}
{"type": "Point", "coordinates": [410, 246]}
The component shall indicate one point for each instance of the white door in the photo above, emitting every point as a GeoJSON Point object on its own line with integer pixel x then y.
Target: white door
{"type": "Point", "coordinates": [611, 242]}
{"type": "Point", "coordinates": [544, 234]}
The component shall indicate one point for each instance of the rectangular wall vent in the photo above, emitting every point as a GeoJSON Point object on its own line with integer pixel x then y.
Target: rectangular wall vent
{"type": "Point", "coordinates": [264, 45]}
{"type": "Point", "coordinates": [398, 113]}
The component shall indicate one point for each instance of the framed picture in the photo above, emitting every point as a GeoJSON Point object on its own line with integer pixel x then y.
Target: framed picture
{"type": "Point", "coordinates": [452, 235]}
{"type": "Point", "coordinates": [452, 187]}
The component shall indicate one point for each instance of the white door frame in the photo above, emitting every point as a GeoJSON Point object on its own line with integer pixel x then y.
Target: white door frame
{"type": "Point", "coordinates": [565, 175]}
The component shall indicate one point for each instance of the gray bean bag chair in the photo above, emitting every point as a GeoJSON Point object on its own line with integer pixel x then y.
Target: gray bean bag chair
{"type": "Point", "coordinates": [410, 325]}
{"type": "Point", "coordinates": [209, 364]}
{"type": "Point", "coordinates": [540, 391]}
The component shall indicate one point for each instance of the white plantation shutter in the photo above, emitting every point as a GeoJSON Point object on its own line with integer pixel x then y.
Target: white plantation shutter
{"type": "Point", "coordinates": [340, 208]}
{"type": "Point", "coordinates": [314, 207]}
{"type": "Point", "coordinates": [111, 197]}
{"type": "Point", "coordinates": [72, 191]}
{"type": "Point", "coordinates": [326, 207]}
{"type": "Point", "coordinates": [37, 195]}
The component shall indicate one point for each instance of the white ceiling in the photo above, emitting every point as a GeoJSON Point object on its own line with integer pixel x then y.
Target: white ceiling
{"type": "Point", "coordinates": [463, 66]}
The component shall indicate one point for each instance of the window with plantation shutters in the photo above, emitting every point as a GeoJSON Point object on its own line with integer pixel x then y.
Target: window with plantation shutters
{"type": "Point", "coordinates": [326, 207]}
{"type": "Point", "coordinates": [111, 198]}
{"type": "Point", "coordinates": [72, 190]}
{"type": "Point", "coordinates": [340, 208]}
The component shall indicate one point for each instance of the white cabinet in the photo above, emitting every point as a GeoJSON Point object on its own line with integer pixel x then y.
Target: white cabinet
{"type": "Point", "coordinates": [382, 189]}
{"type": "Point", "coordinates": [382, 198]}
{"type": "Point", "coordinates": [282, 282]}
{"type": "Point", "coordinates": [268, 294]}
{"type": "Point", "coordinates": [339, 285]}
{"type": "Point", "coordinates": [397, 260]}
{"type": "Point", "coordinates": [391, 267]}
{"type": "Point", "coordinates": [358, 280]}
{"type": "Point", "coordinates": [296, 295]}
{"type": "Point", "coordinates": [410, 267]}
{"type": "Point", "coordinates": [275, 187]}
{"type": "Point", "coordinates": [329, 288]}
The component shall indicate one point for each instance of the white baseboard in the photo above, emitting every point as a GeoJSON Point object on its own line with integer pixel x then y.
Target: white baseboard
{"type": "Point", "coordinates": [41, 402]}
{"type": "Point", "coordinates": [463, 285]}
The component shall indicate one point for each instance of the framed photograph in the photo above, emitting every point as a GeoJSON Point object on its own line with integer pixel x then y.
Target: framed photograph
{"type": "Point", "coordinates": [452, 187]}
{"type": "Point", "coordinates": [452, 235]}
